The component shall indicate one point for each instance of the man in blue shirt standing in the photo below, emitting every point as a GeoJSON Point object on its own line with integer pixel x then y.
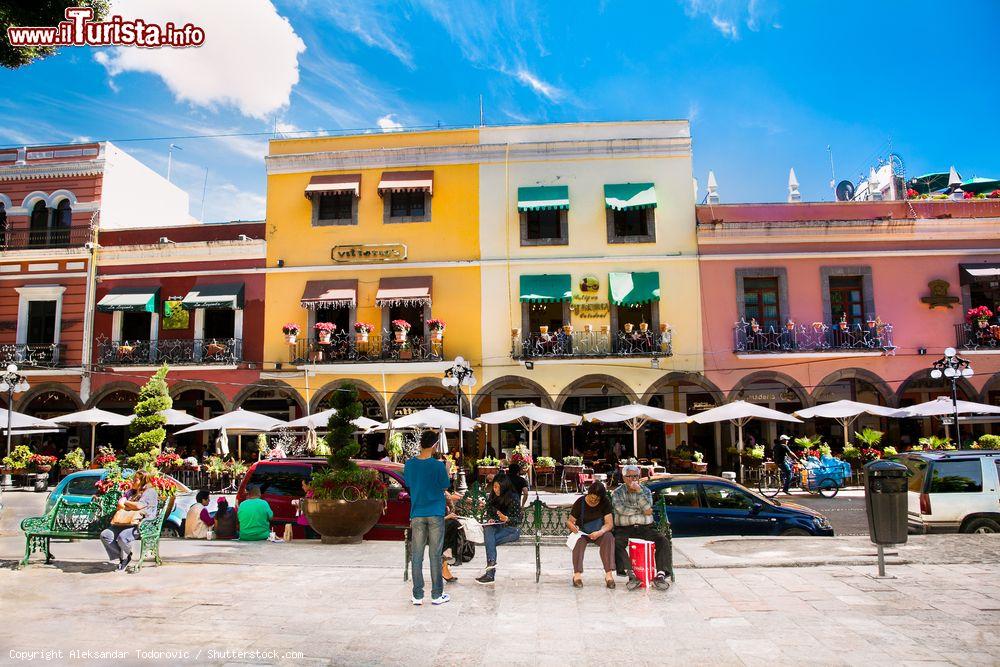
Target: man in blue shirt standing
{"type": "Point", "coordinates": [427, 480]}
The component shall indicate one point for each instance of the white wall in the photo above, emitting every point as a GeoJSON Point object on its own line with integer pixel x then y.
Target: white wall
{"type": "Point", "coordinates": [133, 195]}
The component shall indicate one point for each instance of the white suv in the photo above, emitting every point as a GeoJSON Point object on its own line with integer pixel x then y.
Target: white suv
{"type": "Point", "coordinates": [953, 491]}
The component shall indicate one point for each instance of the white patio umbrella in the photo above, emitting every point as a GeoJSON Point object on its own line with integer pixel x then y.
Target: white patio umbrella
{"type": "Point", "coordinates": [845, 412]}
{"type": "Point", "coordinates": [21, 423]}
{"type": "Point", "coordinates": [635, 416]}
{"type": "Point", "coordinates": [943, 406]}
{"type": "Point", "coordinates": [531, 417]}
{"type": "Point", "coordinates": [321, 419]}
{"type": "Point", "coordinates": [739, 413]}
{"type": "Point", "coordinates": [239, 421]}
{"type": "Point", "coordinates": [175, 417]}
{"type": "Point", "coordinates": [429, 418]}
{"type": "Point", "coordinates": [93, 417]}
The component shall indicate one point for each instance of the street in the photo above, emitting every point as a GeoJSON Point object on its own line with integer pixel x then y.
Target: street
{"type": "Point", "coordinates": [846, 511]}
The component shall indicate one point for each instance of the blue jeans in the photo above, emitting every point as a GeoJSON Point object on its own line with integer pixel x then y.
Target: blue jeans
{"type": "Point", "coordinates": [786, 476]}
{"type": "Point", "coordinates": [426, 531]}
{"type": "Point", "coordinates": [497, 535]}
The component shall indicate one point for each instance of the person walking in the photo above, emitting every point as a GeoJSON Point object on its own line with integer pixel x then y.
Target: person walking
{"type": "Point", "coordinates": [428, 482]}
{"type": "Point", "coordinates": [632, 503]}
{"type": "Point", "coordinates": [504, 513]}
{"type": "Point", "coordinates": [783, 456]}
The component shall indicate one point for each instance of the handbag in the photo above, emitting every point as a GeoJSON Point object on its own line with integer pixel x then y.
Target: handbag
{"type": "Point", "coordinates": [125, 518]}
{"type": "Point", "coordinates": [473, 530]}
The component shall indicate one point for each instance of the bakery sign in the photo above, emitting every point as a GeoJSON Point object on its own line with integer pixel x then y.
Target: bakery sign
{"type": "Point", "coordinates": [369, 253]}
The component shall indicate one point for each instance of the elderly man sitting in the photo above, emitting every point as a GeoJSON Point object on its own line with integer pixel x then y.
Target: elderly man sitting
{"type": "Point", "coordinates": [633, 509]}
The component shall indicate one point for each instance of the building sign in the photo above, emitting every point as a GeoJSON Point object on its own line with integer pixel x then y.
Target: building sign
{"type": "Point", "coordinates": [174, 317]}
{"type": "Point", "coordinates": [587, 306]}
{"type": "Point", "coordinates": [589, 284]}
{"type": "Point", "coordinates": [363, 253]}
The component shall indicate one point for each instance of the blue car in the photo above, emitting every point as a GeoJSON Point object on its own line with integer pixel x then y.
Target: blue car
{"type": "Point", "coordinates": [80, 487]}
{"type": "Point", "coordinates": [699, 505]}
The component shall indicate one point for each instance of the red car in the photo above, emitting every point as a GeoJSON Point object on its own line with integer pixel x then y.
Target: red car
{"type": "Point", "coordinates": [280, 483]}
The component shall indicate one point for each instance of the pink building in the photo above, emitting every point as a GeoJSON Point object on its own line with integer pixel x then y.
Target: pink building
{"type": "Point", "coordinates": [807, 303]}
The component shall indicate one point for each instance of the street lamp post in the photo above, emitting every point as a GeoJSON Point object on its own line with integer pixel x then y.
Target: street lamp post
{"type": "Point", "coordinates": [952, 367]}
{"type": "Point", "coordinates": [458, 376]}
{"type": "Point", "coordinates": [11, 382]}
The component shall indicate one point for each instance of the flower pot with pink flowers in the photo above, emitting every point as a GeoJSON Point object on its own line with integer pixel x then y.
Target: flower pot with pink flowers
{"type": "Point", "coordinates": [361, 331]}
{"type": "Point", "coordinates": [400, 330]}
{"type": "Point", "coordinates": [436, 327]}
{"type": "Point", "coordinates": [324, 331]}
{"type": "Point", "coordinates": [980, 316]}
{"type": "Point", "coordinates": [291, 332]}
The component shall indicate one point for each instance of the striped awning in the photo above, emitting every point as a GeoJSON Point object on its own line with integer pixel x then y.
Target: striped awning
{"type": "Point", "coordinates": [547, 288]}
{"type": "Point", "coordinates": [408, 291]}
{"type": "Point", "coordinates": [130, 299]}
{"type": "Point", "coordinates": [330, 294]}
{"type": "Point", "coordinates": [629, 196]}
{"type": "Point", "coordinates": [222, 295]}
{"type": "Point", "coordinates": [406, 181]}
{"type": "Point", "coordinates": [334, 184]}
{"type": "Point", "coordinates": [543, 198]}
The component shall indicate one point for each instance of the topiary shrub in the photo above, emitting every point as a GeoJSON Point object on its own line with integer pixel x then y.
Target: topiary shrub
{"type": "Point", "coordinates": [343, 479]}
{"type": "Point", "coordinates": [147, 428]}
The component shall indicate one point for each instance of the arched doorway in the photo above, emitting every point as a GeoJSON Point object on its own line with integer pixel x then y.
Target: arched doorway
{"type": "Point", "coordinates": [203, 403]}
{"type": "Point", "coordinates": [268, 397]}
{"type": "Point", "coordinates": [511, 391]}
{"type": "Point", "coordinates": [772, 390]}
{"type": "Point", "coordinates": [689, 393]}
{"type": "Point", "coordinates": [47, 401]}
{"type": "Point", "coordinates": [596, 441]}
{"type": "Point", "coordinates": [919, 388]}
{"type": "Point", "coordinates": [853, 384]}
{"type": "Point", "coordinates": [372, 407]}
{"type": "Point", "coordinates": [121, 401]}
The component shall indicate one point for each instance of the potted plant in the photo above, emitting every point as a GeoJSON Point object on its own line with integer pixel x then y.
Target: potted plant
{"type": "Point", "coordinates": [588, 328]}
{"type": "Point", "coordinates": [215, 349]}
{"type": "Point", "coordinates": [125, 349]}
{"type": "Point", "coordinates": [18, 460]}
{"type": "Point", "coordinates": [605, 329]}
{"type": "Point", "coordinates": [545, 464]}
{"type": "Point", "coordinates": [684, 457]}
{"type": "Point", "coordinates": [980, 315]}
{"type": "Point", "coordinates": [515, 333]}
{"type": "Point", "coordinates": [627, 327]}
{"type": "Point", "coordinates": [400, 329]}
{"type": "Point", "coordinates": [488, 466]}
{"type": "Point", "coordinates": [436, 327]}
{"type": "Point", "coordinates": [664, 328]}
{"type": "Point", "coordinates": [105, 457]}
{"type": "Point", "coordinates": [324, 331]}
{"type": "Point", "coordinates": [643, 327]}
{"type": "Point", "coordinates": [405, 350]}
{"type": "Point", "coordinates": [754, 325]}
{"type": "Point", "coordinates": [394, 448]}
{"type": "Point", "coordinates": [344, 501]}
{"type": "Point", "coordinates": [168, 458]}
{"type": "Point", "coordinates": [361, 331]}
{"type": "Point", "coordinates": [572, 461]}
{"type": "Point", "coordinates": [73, 461]}
{"type": "Point", "coordinates": [869, 437]}
{"type": "Point", "coordinates": [291, 331]}
{"type": "Point", "coordinates": [843, 322]}
{"type": "Point", "coordinates": [790, 325]}
{"type": "Point", "coordinates": [871, 323]}
{"type": "Point", "coordinates": [698, 463]}
{"type": "Point", "coordinates": [568, 329]}
{"type": "Point", "coordinates": [543, 329]}
{"type": "Point", "coordinates": [817, 326]}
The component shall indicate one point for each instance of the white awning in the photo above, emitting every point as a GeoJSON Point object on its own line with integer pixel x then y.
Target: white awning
{"type": "Point", "coordinates": [406, 181]}
{"type": "Point", "coordinates": [333, 184]}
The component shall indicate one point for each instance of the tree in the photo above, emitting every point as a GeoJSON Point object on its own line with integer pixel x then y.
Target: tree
{"type": "Point", "coordinates": [41, 13]}
{"type": "Point", "coordinates": [147, 429]}
{"type": "Point", "coordinates": [340, 431]}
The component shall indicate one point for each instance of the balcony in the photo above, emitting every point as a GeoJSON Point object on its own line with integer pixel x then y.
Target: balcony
{"type": "Point", "coordinates": [977, 338]}
{"type": "Point", "coordinates": [33, 356]}
{"type": "Point", "coordinates": [350, 348]}
{"type": "Point", "coordinates": [591, 344]}
{"type": "Point", "coordinates": [180, 352]}
{"type": "Point", "coordinates": [873, 336]}
{"type": "Point", "coordinates": [57, 237]}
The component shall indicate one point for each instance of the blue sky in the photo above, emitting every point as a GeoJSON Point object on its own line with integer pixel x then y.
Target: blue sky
{"type": "Point", "coordinates": [766, 85]}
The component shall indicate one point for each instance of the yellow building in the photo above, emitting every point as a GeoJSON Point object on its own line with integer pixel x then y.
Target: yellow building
{"type": "Point", "coordinates": [562, 259]}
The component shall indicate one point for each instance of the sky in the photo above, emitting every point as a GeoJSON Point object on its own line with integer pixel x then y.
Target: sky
{"type": "Point", "coordinates": [767, 86]}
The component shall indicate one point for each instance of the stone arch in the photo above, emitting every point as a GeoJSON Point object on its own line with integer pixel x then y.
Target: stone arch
{"type": "Point", "coordinates": [7, 203]}
{"type": "Point", "coordinates": [684, 376]}
{"type": "Point", "coordinates": [32, 198]}
{"type": "Point", "coordinates": [771, 376]}
{"type": "Point", "coordinates": [198, 385]}
{"type": "Point", "coordinates": [964, 386]}
{"type": "Point", "coordinates": [57, 196]}
{"type": "Point", "coordinates": [320, 394]}
{"type": "Point", "coordinates": [862, 374]}
{"type": "Point", "coordinates": [421, 383]}
{"type": "Point", "coordinates": [560, 399]}
{"type": "Point", "coordinates": [993, 384]}
{"type": "Point", "coordinates": [39, 389]}
{"type": "Point", "coordinates": [252, 389]}
{"type": "Point", "coordinates": [111, 388]}
{"type": "Point", "coordinates": [506, 381]}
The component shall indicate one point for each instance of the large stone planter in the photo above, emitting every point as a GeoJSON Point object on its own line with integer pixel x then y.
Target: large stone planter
{"type": "Point", "coordinates": [342, 521]}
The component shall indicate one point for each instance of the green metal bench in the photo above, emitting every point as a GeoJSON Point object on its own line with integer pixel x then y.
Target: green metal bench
{"type": "Point", "coordinates": [545, 525]}
{"type": "Point", "coordinates": [86, 521]}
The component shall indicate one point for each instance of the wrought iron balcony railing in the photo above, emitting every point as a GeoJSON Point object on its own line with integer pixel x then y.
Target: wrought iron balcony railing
{"type": "Point", "coordinates": [346, 347]}
{"type": "Point", "coordinates": [977, 336]}
{"type": "Point", "coordinates": [176, 352]}
{"type": "Point", "coordinates": [579, 344]}
{"type": "Point", "coordinates": [33, 356]}
{"type": "Point", "coordinates": [51, 237]}
{"type": "Point", "coordinates": [873, 336]}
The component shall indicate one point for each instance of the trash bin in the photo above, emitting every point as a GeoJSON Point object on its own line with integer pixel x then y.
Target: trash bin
{"type": "Point", "coordinates": [885, 502]}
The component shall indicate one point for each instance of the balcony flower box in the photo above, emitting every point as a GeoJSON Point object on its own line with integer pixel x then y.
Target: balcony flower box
{"type": "Point", "coordinates": [400, 329]}
{"type": "Point", "coordinates": [628, 327]}
{"type": "Point", "coordinates": [361, 331]}
{"type": "Point", "coordinates": [643, 327]}
{"type": "Point", "coordinates": [588, 328]}
{"type": "Point", "coordinates": [664, 328]}
{"type": "Point", "coordinates": [436, 328]}
{"type": "Point", "coordinates": [980, 315]}
{"type": "Point", "coordinates": [291, 332]}
{"type": "Point", "coordinates": [543, 330]}
{"type": "Point", "coordinates": [324, 331]}
{"type": "Point", "coordinates": [605, 329]}
{"type": "Point", "coordinates": [125, 350]}
{"type": "Point", "coordinates": [406, 352]}
{"type": "Point", "coordinates": [215, 349]}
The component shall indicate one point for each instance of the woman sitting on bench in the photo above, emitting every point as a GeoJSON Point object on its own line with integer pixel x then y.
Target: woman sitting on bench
{"type": "Point", "coordinates": [503, 511]}
{"type": "Point", "coordinates": [592, 517]}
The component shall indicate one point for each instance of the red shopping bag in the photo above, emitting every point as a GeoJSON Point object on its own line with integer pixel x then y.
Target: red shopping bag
{"type": "Point", "coordinates": [643, 556]}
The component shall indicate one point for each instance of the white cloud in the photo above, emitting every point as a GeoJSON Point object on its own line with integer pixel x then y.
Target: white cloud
{"type": "Point", "coordinates": [249, 59]}
{"type": "Point", "coordinates": [388, 123]}
{"type": "Point", "coordinates": [543, 88]}
{"type": "Point", "coordinates": [225, 202]}
{"type": "Point", "coordinates": [694, 110]}
{"type": "Point", "coordinates": [369, 23]}
{"type": "Point", "coordinates": [727, 28]}
{"type": "Point", "coordinates": [726, 16]}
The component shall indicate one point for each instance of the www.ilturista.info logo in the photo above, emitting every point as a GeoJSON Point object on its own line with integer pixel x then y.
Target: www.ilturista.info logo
{"type": "Point", "coordinates": [80, 30]}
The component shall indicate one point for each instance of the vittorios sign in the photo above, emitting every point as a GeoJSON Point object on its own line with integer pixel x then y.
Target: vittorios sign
{"type": "Point", "coordinates": [369, 253]}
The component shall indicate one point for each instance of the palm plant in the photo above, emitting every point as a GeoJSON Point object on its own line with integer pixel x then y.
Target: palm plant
{"type": "Point", "coordinates": [869, 437]}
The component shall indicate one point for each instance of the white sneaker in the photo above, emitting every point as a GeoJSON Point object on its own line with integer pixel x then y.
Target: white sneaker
{"type": "Point", "coordinates": [441, 600]}
{"type": "Point", "coordinates": [417, 601]}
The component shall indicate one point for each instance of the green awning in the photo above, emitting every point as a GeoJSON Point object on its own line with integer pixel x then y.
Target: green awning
{"type": "Point", "coordinates": [977, 185]}
{"type": "Point", "coordinates": [223, 295]}
{"type": "Point", "coordinates": [546, 288]}
{"type": "Point", "coordinates": [628, 196]}
{"type": "Point", "coordinates": [629, 289]}
{"type": "Point", "coordinates": [130, 299]}
{"type": "Point", "coordinates": [543, 198]}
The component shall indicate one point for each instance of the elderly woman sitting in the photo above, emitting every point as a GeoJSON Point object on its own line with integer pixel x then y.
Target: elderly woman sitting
{"type": "Point", "coordinates": [592, 518]}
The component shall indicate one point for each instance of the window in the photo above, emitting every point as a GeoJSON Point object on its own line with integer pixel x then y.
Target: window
{"type": "Point", "coordinates": [412, 314]}
{"type": "Point", "coordinates": [680, 495]}
{"type": "Point", "coordinates": [38, 234]}
{"type": "Point", "coordinates": [85, 485]}
{"type": "Point", "coordinates": [335, 208]}
{"type": "Point", "coordinates": [393, 487]}
{"type": "Point", "coordinates": [847, 299]}
{"type": "Point", "coordinates": [136, 326]}
{"type": "Point", "coordinates": [545, 315]}
{"type": "Point", "coordinates": [635, 315]}
{"type": "Point", "coordinates": [280, 480]}
{"type": "Point", "coordinates": [634, 225]}
{"type": "Point", "coordinates": [3, 223]}
{"type": "Point", "coordinates": [407, 204]}
{"type": "Point", "coordinates": [544, 227]}
{"type": "Point", "coordinates": [916, 467]}
{"type": "Point", "coordinates": [727, 498]}
{"type": "Point", "coordinates": [956, 477]}
{"type": "Point", "coordinates": [760, 301]}
{"type": "Point", "coordinates": [219, 323]}
{"type": "Point", "coordinates": [41, 322]}
{"type": "Point", "coordinates": [341, 317]}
